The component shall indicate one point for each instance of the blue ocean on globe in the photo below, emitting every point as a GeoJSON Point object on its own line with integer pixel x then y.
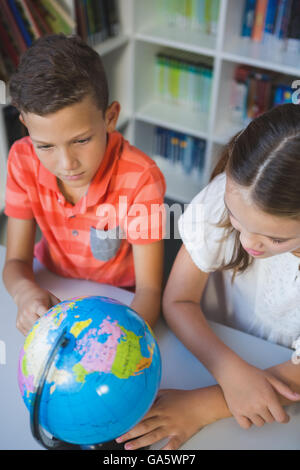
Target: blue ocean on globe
{"type": "Point", "coordinates": [103, 381]}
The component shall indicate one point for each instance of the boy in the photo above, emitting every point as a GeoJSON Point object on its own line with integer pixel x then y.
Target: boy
{"type": "Point", "coordinates": [96, 199]}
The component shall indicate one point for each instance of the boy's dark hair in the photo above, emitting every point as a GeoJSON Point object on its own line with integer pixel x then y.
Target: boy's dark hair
{"type": "Point", "coordinates": [58, 71]}
{"type": "Point", "coordinates": [265, 158]}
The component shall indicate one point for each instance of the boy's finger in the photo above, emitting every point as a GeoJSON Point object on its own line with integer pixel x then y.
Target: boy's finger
{"type": "Point", "coordinates": [54, 300]}
{"type": "Point", "coordinates": [173, 444]}
{"type": "Point", "coordinates": [41, 310]}
{"type": "Point", "coordinates": [144, 441]}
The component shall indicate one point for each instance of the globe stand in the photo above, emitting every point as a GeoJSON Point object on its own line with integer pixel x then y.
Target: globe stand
{"type": "Point", "coordinates": [50, 442]}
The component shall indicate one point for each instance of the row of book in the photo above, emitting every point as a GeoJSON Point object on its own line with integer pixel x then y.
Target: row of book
{"type": "Point", "coordinates": [97, 20]}
{"type": "Point", "coordinates": [273, 22]}
{"type": "Point", "coordinates": [22, 22]}
{"type": "Point", "coordinates": [254, 92]}
{"type": "Point", "coordinates": [180, 149]}
{"type": "Point", "coordinates": [181, 82]}
{"type": "Point", "coordinates": [198, 15]}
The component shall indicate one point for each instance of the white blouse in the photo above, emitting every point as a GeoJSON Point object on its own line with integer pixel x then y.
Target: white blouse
{"type": "Point", "coordinates": [264, 300]}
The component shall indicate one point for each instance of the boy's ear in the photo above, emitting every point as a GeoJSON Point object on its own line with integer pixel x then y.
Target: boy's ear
{"type": "Point", "coordinates": [111, 116]}
{"type": "Point", "coordinates": [22, 119]}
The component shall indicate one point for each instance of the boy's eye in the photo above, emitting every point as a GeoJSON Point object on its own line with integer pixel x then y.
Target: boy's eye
{"type": "Point", "coordinates": [83, 141]}
{"type": "Point", "coordinates": [44, 147]}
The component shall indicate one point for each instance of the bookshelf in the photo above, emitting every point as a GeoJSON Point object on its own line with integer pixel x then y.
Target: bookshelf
{"type": "Point", "coordinates": [129, 61]}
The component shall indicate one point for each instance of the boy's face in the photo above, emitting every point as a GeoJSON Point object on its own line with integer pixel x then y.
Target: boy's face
{"type": "Point", "coordinates": [71, 142]}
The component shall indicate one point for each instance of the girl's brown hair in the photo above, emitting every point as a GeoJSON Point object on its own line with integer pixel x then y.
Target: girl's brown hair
{"type": "Point", "coordinates": [265, 158]}
{"type": "Point", "coordinates": [58, 71]}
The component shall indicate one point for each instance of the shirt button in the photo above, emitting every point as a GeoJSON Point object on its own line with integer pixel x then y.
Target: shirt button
{"type": "Point", "coordinates": [75, 233]}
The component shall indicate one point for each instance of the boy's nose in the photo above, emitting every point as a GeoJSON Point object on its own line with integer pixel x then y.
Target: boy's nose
{"type": "Point", "coordinates": [68, 161]}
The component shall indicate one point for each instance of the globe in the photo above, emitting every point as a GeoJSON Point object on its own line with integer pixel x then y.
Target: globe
{"type": "Point", "coordinates": [102, 381]}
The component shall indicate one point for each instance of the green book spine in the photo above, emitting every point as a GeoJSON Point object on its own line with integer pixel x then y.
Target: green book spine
{"type": "Point", "coordinates": [174, 73]}
{"type": "Point", "coordinates": [207, 86]}
{"type": "Point", "coordinates": [207, 15]}
{"type": "Point", "coordinates": [194, 16]}
{"type": "Point", "coordinates": [215, 7]}
{"type": "Point", "coordinates": [183, 83]}
{"type": "Point", "coordinates": [180, 9]}
{"type": "Point", "coordinates": [56, 21]}
{"type": "Point", "coordinates": [198, 90]}
{"type": "Point", "coordinates": [201, 15]}
{"type": "Point", "coordinates": [160, 70]}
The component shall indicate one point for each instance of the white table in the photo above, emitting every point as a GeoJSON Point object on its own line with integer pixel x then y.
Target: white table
{"type": "Point", "coordinates": [180, 369]}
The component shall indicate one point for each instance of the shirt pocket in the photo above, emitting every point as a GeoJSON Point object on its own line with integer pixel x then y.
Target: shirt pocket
{"type": "Point", "coordinates": [105, 243]}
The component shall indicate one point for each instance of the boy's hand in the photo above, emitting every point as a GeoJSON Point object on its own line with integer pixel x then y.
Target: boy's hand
{"type": "Point", "coordinates": [251, 396]}
{"type": "Point", "coordinates": [32, 304]}
{"type": "Point", "coordinates": [176, 415]}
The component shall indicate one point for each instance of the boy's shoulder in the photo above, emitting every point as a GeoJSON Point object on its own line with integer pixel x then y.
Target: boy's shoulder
{"type": "Point", "coordinates": [134, 157]}
{"type": "Point", "coordinates": [135, 165]}
{"type": "Point", "coordinates": [22, 152]}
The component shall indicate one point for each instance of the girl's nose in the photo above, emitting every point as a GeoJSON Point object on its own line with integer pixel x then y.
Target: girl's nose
{"type": "Point", "coordinates": [250, 241]}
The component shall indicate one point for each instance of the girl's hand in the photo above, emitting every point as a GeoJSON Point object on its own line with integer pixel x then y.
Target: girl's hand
{"type": "Point", "coordinates": [251, 396]}
{"type": "Point", "coordinates": [33, 304]}
{"type": "Point", "coordinates": [175, 414]}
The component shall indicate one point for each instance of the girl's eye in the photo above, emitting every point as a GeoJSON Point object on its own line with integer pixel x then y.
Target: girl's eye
{"type": "Point", "coordinates": [277, 241]}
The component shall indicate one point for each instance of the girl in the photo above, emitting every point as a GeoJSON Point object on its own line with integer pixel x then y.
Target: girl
{"type": "Point", "coordinates": [251, 231]}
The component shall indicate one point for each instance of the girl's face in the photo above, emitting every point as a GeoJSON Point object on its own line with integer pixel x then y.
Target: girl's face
{"type": "Point", "coordinates": [262, 235]}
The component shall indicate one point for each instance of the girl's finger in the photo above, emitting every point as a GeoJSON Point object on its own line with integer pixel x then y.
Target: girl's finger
{"type": "Point", "coordinates": [283, 389]}
{"type": "Point", "coordinates": [279, 414]}
{"type": "Point", "coordinates": [267, 416]}
{"type": "Point", "coordinates": [244, 422]}
{"type": "Point", "coordinates": [257, 420]}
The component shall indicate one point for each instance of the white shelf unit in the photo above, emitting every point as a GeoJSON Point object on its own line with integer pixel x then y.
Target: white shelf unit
{"type": "Point", "coordinates": [129, 61]}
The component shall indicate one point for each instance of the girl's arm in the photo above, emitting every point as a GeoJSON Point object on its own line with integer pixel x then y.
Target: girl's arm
{"type": "Point", "coordinates": [250, 392]}
{"type": "Point", "coordinates": [183, 314]}
{"type": "Point", "coordinates": [179, 414]}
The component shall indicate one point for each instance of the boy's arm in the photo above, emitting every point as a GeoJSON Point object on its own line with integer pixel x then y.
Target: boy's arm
{"type": "Point", "coordinates": [17, 272]}
{"type": "Point", "coordinates": [18, 276]}
{"type": "Point", "coordinates": [148, 265]}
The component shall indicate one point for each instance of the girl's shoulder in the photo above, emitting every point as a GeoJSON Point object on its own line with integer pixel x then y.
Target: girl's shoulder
{"type": "Point", "coordinates": [201, 229]}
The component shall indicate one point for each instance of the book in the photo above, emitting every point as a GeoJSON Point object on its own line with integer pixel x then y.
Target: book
{"type": "Point", "coordinates": [293, 32]}
{"type": "Point", "coordinates": [27, 7]}
{"type": "Point", "coordinates": [248, 18]}
{"type": "Point", "coordinates": [20, 22]}
{"type": "Point", "coordinates": [12, 24]}
{"type": "Point", "coordinates": [101, 19]}
{"type": "Point", "coordinates": [3, 70]}
{"type": "Point", "coordinates": [271, 16]}
{"type": "Point", "coordinates": [55, 20]}
{"type": "Point", "coordinates": [282, 94]}
{"type": "Point", "coordinates": [259, 20]}
{"type": "Point", "coordinates": [6, 42]}
{"type": "Point", "coordinates": [112, 15]}
{"type": "Point", "coordinates": [281, 19]}
{"type": "Point", "coordinates": [39, 14]}
{"type": "Point", "coordinates": [80, 20]}
{"type": "Point", "coordinates": [285, 19]}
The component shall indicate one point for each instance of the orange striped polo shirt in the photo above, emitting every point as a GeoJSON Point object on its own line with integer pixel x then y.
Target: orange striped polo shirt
{"type": "Point", "coordinates": [91, 239]}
